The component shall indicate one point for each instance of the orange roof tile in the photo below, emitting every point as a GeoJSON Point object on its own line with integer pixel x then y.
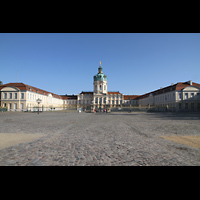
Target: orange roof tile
{"type": "Point", "coordinates": [22, 86]}
{"type": "Point", "coordinates": [177, 86]}
{"type": "Point", "coordinates": [68, 96]}
{"type": "Point", "coordinates": [86, 92]}
{"type": "Point", "coordinates": [114, 92]}
{"type": "Point", "coordinates": [130, 97]}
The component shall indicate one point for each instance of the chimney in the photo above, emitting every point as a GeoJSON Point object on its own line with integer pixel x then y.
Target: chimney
{"type": "Point", "coordinates": [190, 82]}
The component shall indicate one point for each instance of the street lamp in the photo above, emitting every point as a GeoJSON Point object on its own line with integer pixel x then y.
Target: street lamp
{"type": "Point", "coordinates": [38, 101]}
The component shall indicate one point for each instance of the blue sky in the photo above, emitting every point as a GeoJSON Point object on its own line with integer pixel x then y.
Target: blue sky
{"type": "Point", "coordinates": [65, 63]}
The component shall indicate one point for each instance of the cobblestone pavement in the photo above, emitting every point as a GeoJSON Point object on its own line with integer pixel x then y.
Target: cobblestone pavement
{"type": "Point", "coordinates": [100, 139]}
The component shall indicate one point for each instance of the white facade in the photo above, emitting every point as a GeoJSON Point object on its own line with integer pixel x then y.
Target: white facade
{"type": "Point", "coordinates": [174, 99]}
{"type": "Point", "coordinates": [100, 98]}
{"type": "Point", "coordinates": [22, 100]}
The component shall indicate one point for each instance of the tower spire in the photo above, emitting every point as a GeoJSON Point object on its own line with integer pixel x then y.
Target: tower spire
{"type": "Point", "coordinates": [100, 68]}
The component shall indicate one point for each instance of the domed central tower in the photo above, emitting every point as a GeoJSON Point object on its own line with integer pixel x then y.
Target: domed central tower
{"type": "Point", "coordinates": [100, 82]}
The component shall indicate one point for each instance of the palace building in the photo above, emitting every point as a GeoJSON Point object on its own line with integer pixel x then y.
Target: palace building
{"type": "Point", "coordinates": [22, 97]}
{"type": "Point", "coordinates": [100, 98]}
{"type": "Point", "coordinates": [182, 96]}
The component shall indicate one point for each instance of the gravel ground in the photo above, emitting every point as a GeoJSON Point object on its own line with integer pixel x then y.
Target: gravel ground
{"type": "Point", "coordinates": [100, 139]}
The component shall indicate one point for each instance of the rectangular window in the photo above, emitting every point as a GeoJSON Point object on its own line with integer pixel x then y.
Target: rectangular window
{"type": "Point", "coordinates": [10, 95]}
{"type": "Point", "coordinates": [15, 106]}
{"type": "Point", "coordinates": [15, 96]}
{"type": "Point", "coordinates": [192, 95]}
{"type": "Point", "coordinates": [5, 95]}
{"type": "Point", "coordinates": [192, 106]}
{"type": "Point", "coordinates": [22, 106]}
{"type": "Point", "coordinates": [22, 96]}
{"type": "Point", "coordinates": [186, 106]}
{"type": "Point", "coordinates": [179, 95]}
{"type": "Point", "coordinates": [198, 95]}
{"type": "Point", "coordinates": [179, 105]}
{"type": "Point", "coordinates": [186, 95]}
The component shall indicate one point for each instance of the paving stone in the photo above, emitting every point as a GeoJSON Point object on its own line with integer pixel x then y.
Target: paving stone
{"type": "Point", "coordinates": [100, 140]}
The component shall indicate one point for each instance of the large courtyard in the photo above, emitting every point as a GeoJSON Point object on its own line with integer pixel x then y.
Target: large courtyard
{"type": "Point", "coordinates": [99, 139]}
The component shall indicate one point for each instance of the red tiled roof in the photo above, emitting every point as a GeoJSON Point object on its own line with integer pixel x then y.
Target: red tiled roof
{"type": "Point", "coordinates": [68, 96]}
{"type": "Point", "coordinates": [130, 97]}
{"type": "Point", "coordinates": [182, 85]}
{"type": "Point", "coordinates": [86, 92]}
{"type": "Point", "coordinates": [22, 86]}
{"type": "Point", "coordinates": [177, 86]}
{"type": "Point", "coordinates": [114, 92]}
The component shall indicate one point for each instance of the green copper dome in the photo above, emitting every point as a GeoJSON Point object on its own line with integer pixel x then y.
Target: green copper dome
{"type": "Point", "coordinates": [100, 76]}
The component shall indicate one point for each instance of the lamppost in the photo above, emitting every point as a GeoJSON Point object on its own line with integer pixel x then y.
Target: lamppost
{"type": "Point", "coordinates": [38, 101]}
